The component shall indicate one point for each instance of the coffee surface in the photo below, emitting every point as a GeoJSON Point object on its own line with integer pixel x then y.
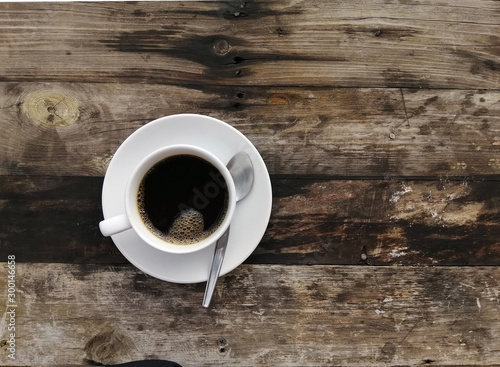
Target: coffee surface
{"type": "Point", "coordinates": [183, 199]}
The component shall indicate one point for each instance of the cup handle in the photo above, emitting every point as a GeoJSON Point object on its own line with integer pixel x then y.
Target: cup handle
{"type": "Point", "coordinates": [114, 225]}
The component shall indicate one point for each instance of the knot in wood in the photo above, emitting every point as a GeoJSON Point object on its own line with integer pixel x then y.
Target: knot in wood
{"type": "Point", "coordinates": [50, 108]}
{"type": "Point", "coordinates": [108, 347]}
{"type": "Point", "coordinates": [221, 47]}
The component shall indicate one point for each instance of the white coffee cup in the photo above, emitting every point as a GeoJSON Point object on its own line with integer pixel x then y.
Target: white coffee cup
{"type": "Point", "coordinates": [131, 218]}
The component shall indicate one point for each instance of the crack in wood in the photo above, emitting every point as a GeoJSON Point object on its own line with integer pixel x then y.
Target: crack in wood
{"type": "Point", "coordinates": [404, 107]}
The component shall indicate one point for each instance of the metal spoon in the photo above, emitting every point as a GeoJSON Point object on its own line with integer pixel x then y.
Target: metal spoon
{"type": "Point", "coordinates": [241, 169]}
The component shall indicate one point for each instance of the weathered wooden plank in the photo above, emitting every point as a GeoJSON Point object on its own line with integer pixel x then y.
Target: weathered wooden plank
{"type": "Point", "coordinates": [74, 129]}
{"type": "Point", "coordinates": [53, 218]}
{"type": "Point", "coordinates": [379, 43]}
{"type": "Point", "coordinates": [312, 222]}
{"type": "Point", "coordinates": [262, 316]}
{"type": "Point", "coordinates": [383, 222]}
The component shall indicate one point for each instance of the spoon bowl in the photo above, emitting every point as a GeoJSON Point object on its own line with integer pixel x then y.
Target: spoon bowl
{"type": "Point", "coordinates": [241, 169]}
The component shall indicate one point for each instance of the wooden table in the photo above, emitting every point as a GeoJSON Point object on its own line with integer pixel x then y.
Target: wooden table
{"type": "Point", "coordinates": [379, 122]}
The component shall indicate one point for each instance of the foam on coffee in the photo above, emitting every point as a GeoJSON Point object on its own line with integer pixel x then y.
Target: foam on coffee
{"type": "Point", "coordinates": [187, 228]}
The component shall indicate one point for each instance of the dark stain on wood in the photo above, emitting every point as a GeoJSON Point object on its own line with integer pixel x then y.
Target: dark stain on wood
{"type": "Point", "coordinates": [431, 100]}
{"type": "Point", "coordinates": [81, 271]}
{"type": "Point", "coordinates": [388, 351]}
{"type": "Point", "coordinates": [204, 50]}
{"type": "Point", "coordinates": [215, 52]}
{"type": "Point", "coordinates": [480, 65]}
{"type": "Point", "coordinates": [236, 10]}
{"type": "Point", "coordinates": [317, 292]}
{"type": "Point", "coordinates": [62, 213]}
{"type": "Point", "coordinates": [397, 77]}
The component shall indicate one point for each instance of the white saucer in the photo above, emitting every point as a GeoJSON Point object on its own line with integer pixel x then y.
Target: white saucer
{"type": "Point", "coordinates": [251, 216]}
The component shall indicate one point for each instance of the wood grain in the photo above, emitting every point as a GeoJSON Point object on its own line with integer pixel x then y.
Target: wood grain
{"type": "Point", "coordinates": [385, 222]}
{"type": "Point", "coordinates": [262, 315]}
{"type": "Point", "coordinates": [380, 43]}
{"type": "Point", "coordinates": [74, 129]}
{"type": "Point", "coordinates": [378, 121]}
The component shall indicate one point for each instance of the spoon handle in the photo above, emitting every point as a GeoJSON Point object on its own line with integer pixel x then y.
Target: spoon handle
{"type": "Point", "coordinates": [220, 250]}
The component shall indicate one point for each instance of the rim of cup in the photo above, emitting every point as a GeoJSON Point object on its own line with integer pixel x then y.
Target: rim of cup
{"type": "Point", "coordinates": [132, 211]}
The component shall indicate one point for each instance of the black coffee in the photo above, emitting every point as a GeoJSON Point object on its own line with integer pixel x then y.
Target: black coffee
{"type": "Point", "coordinates": [183, 199]}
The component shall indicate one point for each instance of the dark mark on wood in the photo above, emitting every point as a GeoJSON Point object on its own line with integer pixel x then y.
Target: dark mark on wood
{"type": "Point", "coordinates": [223, 345]}
{"type": "Point", "coordinates": [282, 32]}
{"type": "Point", "coordinates": [396, 77]}
{"type": "Point", "coordinates": [201, 50]}
{"type": "Point", "coordinates": [235, 10]}
{"type": "Point", "coordinates": [210, 51]}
